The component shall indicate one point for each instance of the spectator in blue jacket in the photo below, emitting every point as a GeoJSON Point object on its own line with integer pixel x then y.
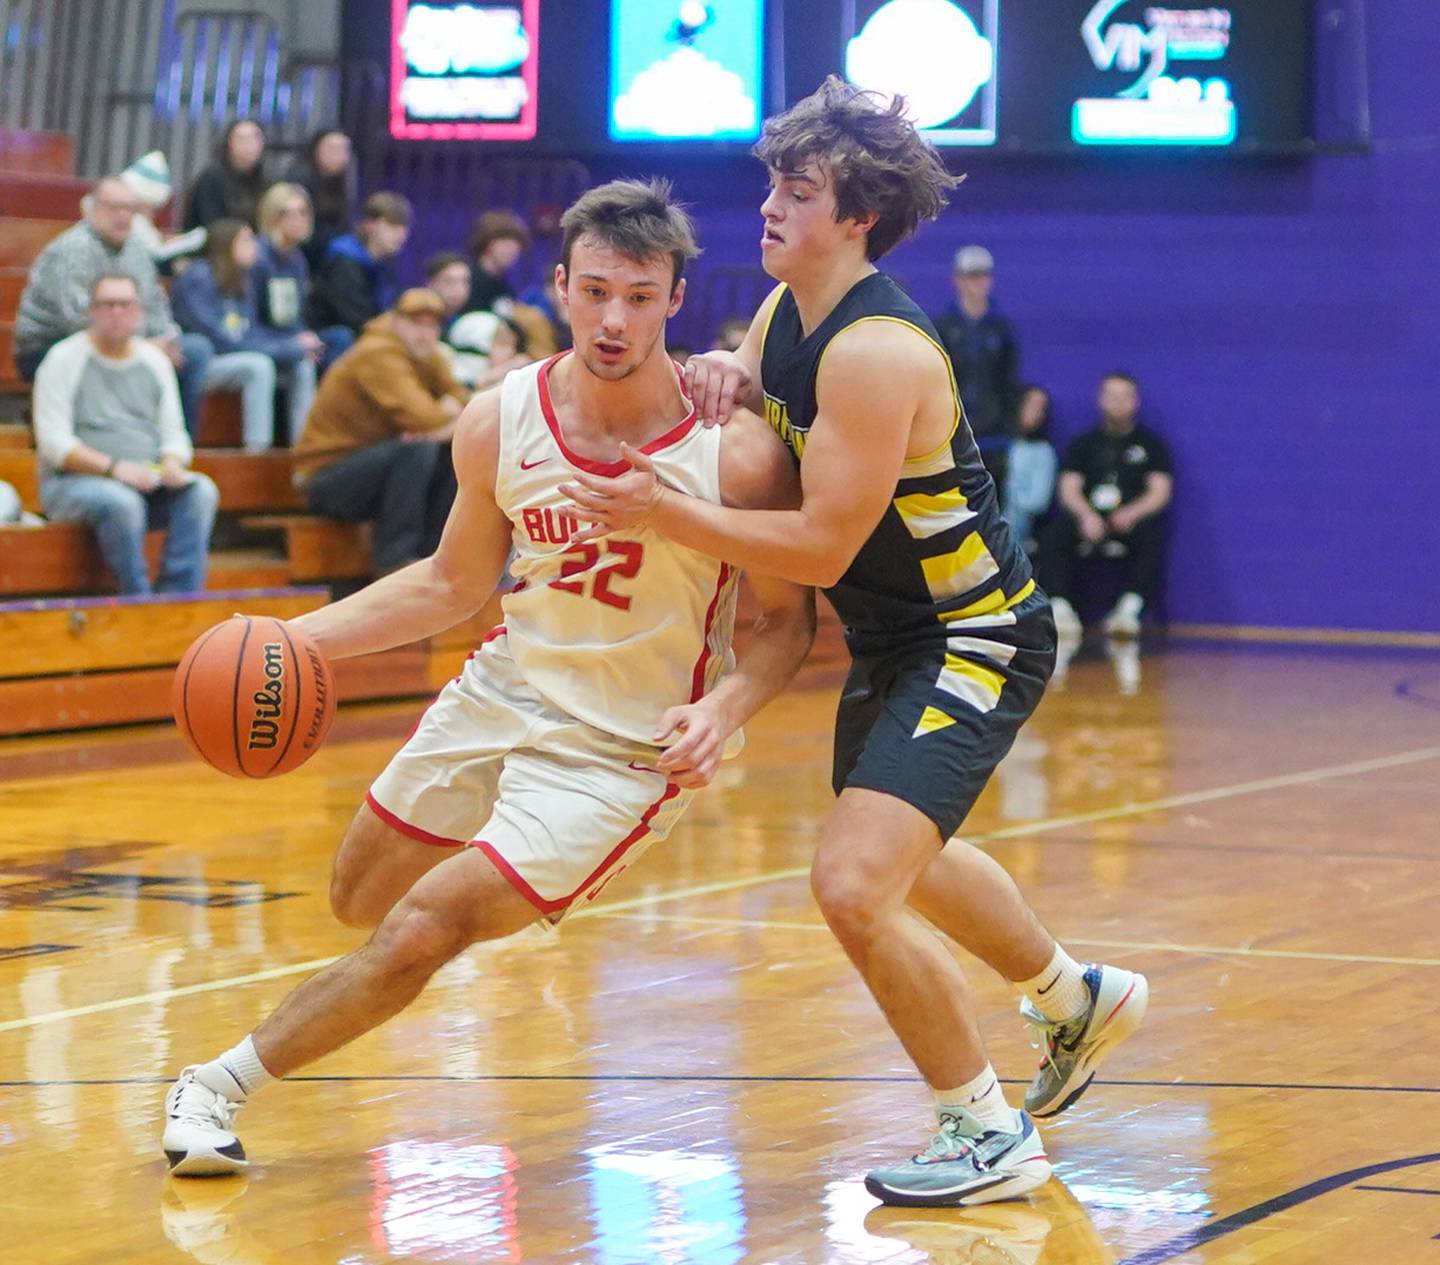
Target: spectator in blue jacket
{"type": "Point", "coordinates": [357, 281]}
{"type": "Point", "coordinates": [215, 296]}
{"type": "Point", "coordinates": [281, 278]}
{"type": "Point", "coordinates": [1030, 468]}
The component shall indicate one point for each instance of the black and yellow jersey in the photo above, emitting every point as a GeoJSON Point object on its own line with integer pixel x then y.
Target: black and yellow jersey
{"type": "Point", "coordinates": [942, 561]}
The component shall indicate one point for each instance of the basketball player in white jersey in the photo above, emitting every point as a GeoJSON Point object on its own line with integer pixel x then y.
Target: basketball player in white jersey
{"type": "Point", "coordinates": [543, 769]}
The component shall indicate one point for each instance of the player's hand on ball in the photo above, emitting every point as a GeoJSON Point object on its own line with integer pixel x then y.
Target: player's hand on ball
{"type": "Point", "coordinates": [615, 504]}
{"type": "Point", "coordinates": [692, 760]}
{"type": "Point", "coordinates": [715, 380]}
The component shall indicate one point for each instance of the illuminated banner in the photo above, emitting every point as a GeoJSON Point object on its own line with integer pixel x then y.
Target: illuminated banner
{"type": "Point", "coordinates": [685, 71]}
{"type": "Point", "coordinates": [464, 71]}
{"type": "Point", "coordinates": [941, 54]}
{"type": "Point", "coordinates": [1164, 100]}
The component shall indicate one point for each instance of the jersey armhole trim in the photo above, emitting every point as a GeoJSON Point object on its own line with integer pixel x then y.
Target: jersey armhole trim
{"type": "Point", "coordinates": [780, 293]}
{"type": "Point", "coordinates": [910, 463]}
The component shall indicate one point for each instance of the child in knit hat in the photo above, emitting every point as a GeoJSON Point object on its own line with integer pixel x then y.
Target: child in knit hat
{"type": "Point", "coordinates": [148, 178]}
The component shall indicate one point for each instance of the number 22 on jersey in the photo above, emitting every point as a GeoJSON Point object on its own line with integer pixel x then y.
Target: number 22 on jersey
{"type": "Point", "coordinates": [579, 561]}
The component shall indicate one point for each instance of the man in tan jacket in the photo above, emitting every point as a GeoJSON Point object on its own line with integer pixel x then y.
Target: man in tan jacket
{"type": "Point", "coordinates": [376, 446]}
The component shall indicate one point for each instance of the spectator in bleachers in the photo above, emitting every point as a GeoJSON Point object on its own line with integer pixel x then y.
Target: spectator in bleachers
{"type": "Point", "coordinates": [982, 349]}
{"type": "Point", "coordinates": [113, 448]}
{"type": "Point", "coordinates": [281, 275]}
{"type": "Point", "coordinates": [327, 174]}
{"type": "Point", "coordinates": [357, 280]}
{"type": "Point", "coordinates": [230, 187]}
{"type": "Point", "coordinates": [1115, 483]}
{"type": "Point", "coordinates": [484, 347]}
{"type": "Point", "coordinates": [377, 447]}
{"type": "Point", "coordinates": [730, 334]}
{"type": "Point", "coordinates": [448, 274]}
{"type": "Point", "coordinates": [148, 179]}
{"type": "Point", "coordinates": [498, 239]}
{"type": "Point", "coordinates": [215, 296]}
{"type": "Point", "coordinates": [1030, 467]}
{"type": "Point", "coordinates": [544, 299]}
{"type": "Point", "coordinates": [56, 301]}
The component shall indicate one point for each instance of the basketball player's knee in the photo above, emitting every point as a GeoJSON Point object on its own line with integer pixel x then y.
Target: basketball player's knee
{"type": "Point", "coordinates": [846, 900]}
{"type": "Point", "coordinates": [349, 901]}
{"type": "Point", "coordinates": [416, 941]}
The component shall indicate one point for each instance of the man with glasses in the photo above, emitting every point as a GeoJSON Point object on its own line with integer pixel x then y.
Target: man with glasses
{"type": "Point", "coordinates": [56, 301]}
{"type": "Point", "coordinates": [113, 449]}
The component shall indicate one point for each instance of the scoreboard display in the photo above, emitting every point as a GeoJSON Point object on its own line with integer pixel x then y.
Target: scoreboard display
{"type": "Point", "coordinates": [1066, 76]}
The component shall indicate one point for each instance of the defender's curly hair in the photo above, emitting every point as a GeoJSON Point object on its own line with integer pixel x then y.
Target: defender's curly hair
{"type": "Point", "coordinates": [879, 162]}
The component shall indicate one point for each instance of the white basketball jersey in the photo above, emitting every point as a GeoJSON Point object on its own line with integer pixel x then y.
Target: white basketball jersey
{"type": "Point", "coordinates": [619, 629]}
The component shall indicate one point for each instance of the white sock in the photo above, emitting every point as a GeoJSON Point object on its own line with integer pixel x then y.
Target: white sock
{"type": "Point", "coordinates": [1059, 991]}
{"type": "Point", "coordinates": [982, 1098]}
{"type": "Point", "coordinates": [237, 1073]}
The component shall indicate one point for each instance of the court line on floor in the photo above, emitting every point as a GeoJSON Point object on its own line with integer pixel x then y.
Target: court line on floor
{"type": "Point", "coordinates": [1254, 786]}
{"type": "Point", "coordinates": [723, 1079]}
{"type": "Point", "coordinates": [1158, 946]}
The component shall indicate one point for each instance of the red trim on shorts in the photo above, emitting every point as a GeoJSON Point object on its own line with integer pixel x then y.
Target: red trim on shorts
{"type": "Point", "coordinates": [608, 468]}
{"type": "Point", "coordinates": [405, 828]}
{"type": "Point", "coordinates": [551, 906]}
{"type": "Point", "coordinates": [697, 678]}
{"type": "Point", "coordinates": [497, 631]}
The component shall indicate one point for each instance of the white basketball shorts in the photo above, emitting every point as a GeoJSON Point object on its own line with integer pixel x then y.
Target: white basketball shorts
{"type": "Point", "coordinates": [559, 806]}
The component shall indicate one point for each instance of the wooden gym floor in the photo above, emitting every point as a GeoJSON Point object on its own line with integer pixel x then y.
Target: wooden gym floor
{"type": "Point", "coordinates": [691, 1074]}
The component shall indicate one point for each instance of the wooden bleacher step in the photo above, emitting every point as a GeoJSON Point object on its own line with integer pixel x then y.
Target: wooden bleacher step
{"type": "Point", "coordinates": [319, 549]}
{"type": "Point", "coordinates": [37, 153]}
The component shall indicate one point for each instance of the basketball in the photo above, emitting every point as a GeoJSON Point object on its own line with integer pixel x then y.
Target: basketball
{"type": "Point", "coordinates": [253, 697]}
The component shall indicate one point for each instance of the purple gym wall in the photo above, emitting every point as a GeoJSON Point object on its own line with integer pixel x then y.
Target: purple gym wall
{"type": "Point", "coordinates": [1283, 319]}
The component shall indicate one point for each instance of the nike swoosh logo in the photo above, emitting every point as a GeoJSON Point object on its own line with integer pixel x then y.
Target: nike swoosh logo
{"type": "Point", "coordinates": [530, 465]}
{"type": "Point", "coordinates": [645, 768]}
{"type": "Point", "coordinates": [1050, 985]}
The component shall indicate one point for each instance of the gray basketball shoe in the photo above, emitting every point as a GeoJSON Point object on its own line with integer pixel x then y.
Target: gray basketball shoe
{"type": "Point", "coordinates": [1072, 1050]}
{"type": "Point", "coordinates": [965, 1164]}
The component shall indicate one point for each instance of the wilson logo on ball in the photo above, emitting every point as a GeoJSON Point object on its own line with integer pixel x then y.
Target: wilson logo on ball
{"type": "Point", "coordinates": [269, 700]}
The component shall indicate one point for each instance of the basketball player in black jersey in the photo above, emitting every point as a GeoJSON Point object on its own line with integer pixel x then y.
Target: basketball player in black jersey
{"type": "Point", "coordinates": [952, 642]}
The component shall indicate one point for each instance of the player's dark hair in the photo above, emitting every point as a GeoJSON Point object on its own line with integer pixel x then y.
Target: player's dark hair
{"type": "Point", "coordinates": [1119, 375]}
{"type": "Point", "coordinates": [637, 218]}
{"type": "Point", "coordinates": [880, 164]}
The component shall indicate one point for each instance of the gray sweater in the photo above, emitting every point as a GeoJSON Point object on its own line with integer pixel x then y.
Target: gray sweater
{"type": "Point", "coordinates": [56, 302]}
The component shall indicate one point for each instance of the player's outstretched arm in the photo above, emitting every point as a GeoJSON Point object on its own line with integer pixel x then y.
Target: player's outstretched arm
{"type": "Point", "coordinates": [755, 473]}
{"type": "Point", "coordinates": [868, 393]}
{"type": "Point", "coordinates": [438, 592]}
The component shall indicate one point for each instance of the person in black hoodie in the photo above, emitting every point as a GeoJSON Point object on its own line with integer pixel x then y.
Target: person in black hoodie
{"type": "Point", "coordinates": [231, 186]}
{"type": "Point", "coordinates": [356, 280]}
{"type": "Point", "coordinates": [327, 174]}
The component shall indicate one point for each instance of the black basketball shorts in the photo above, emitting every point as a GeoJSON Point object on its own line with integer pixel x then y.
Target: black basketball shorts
{"type": "Point", "coordinates": [928, 725]}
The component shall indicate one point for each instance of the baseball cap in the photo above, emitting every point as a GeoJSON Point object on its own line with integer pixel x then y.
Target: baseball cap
{"type": "Point", "coordinates": [421, 301]}
{"type": "Point", "coordinates": [971, 259]}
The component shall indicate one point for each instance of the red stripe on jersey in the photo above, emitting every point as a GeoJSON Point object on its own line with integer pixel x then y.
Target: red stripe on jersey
{"type": "Point", "coordinates": [405, 828]}
{"type": "Point", "coordinates": [497, 631]}
{"type": "Point", "coordinates": [628, 842]}
{"type": "Point", "coordinates": [697, 678]}
{"type": "Point", "coordinates": [610, 469]}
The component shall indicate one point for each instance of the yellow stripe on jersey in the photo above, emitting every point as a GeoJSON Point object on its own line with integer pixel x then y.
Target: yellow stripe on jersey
{"type": "Point", "coordinates": [930, 720]}
{"type": "Point", "coordinates": [961, 570]}
{"type": "Point", "coordinates": [926, 515]}
{"type": "Point", "coordinates": [971, 682]}
{"type": "Point", "coordinates": [995, 603]}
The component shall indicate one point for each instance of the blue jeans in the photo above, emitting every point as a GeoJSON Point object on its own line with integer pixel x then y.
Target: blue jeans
{"type": "Point", "coordinates": [120, 517]}
{"type": "Point", "coordinates": [338, 340]}
{"type": "Point", "coordinates": [198, 353]}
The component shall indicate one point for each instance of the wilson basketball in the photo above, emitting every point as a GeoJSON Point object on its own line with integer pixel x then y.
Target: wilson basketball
{"type": "Point", "coordinates": [253, 697]}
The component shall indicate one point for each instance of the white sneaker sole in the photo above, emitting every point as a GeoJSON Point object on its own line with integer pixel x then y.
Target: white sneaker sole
{"type": "Point", "coordinates": [204, 1164]}
{"type": "Point", "coordinates": [1124, 1019]}
{"type": "Point", "coordinates": [1019, 1177]}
